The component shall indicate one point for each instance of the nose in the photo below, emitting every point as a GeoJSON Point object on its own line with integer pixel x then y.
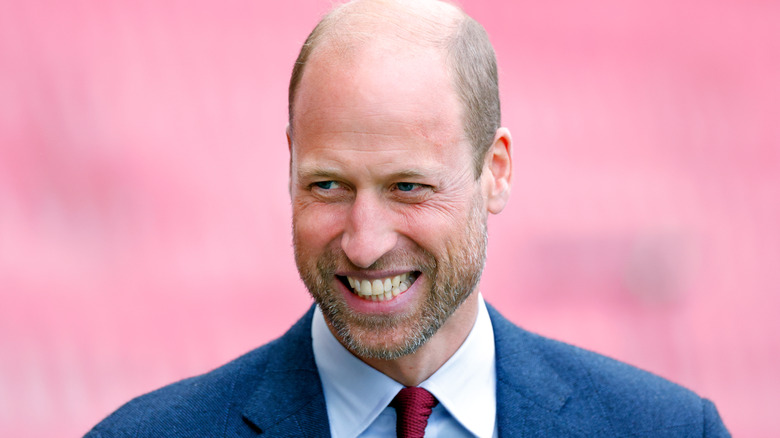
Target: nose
{"type": "Point", "coordinates": [369, 232]}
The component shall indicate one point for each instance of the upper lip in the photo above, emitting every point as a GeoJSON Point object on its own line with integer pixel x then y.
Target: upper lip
{"type": "Point", "coordinates": [374, 275]}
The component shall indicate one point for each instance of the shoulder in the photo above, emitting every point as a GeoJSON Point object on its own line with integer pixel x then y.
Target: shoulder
{"type": "Point", "coordinates": [208, 404]}
{"type": "Point", "coordinates": [593, 394]}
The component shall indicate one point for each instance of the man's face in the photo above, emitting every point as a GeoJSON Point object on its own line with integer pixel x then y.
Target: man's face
{"type": "Point", "coordinates": [388, 217]}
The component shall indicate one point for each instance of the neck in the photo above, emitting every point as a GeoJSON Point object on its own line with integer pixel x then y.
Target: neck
{"type": "Point", "coordinates": [413, 369]}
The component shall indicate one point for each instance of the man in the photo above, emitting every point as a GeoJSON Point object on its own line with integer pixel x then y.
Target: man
{"type": "Point", "coordinates": [396, 158]}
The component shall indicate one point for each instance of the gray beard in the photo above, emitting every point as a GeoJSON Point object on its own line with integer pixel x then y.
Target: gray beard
{"type": "Point", "coordinates": [451, 280]}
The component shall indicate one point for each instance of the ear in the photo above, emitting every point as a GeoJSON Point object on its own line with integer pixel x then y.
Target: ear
{"type": "Point", "coordinates": [497, 172]}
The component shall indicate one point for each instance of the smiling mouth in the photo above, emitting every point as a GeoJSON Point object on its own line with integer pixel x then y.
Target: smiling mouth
{"type": "Point", "coordinates": [379, 289]}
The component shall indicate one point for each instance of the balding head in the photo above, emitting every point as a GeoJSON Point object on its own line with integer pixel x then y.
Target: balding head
{"type": "Point", "coordinates": [398, 26]}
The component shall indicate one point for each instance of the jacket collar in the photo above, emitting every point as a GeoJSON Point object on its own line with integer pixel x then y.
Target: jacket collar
{"type": "Point", "coordinates": [289, 400]}
{"type": "Point", "coordinates": [530, 393]}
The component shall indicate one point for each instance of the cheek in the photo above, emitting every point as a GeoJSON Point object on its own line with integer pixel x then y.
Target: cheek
{"type": "Point", "coordinates": [316, 225]}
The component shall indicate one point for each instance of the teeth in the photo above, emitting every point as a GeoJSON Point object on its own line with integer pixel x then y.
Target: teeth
{"type": "Point", "coordinates": [381, 289]}
{"type": "Point", "coordinates": [378, 287]}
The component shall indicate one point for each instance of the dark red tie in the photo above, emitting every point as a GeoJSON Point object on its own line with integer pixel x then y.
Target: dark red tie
{"type": "Point", "coordinates": [413, 406]}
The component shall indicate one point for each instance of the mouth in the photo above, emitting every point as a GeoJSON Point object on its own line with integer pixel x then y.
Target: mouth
{"type": "Point", "coordinates": [379, 289]}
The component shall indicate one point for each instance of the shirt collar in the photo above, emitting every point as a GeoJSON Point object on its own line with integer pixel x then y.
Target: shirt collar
{"type": "Point", "coordinates": [356, 393]}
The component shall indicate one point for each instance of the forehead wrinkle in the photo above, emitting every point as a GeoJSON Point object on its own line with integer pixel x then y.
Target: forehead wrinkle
{"type": "Point", "coordinates": [438, 131]}
{"type": "Point", "coordinates": [388, 169]}
{"type": "Point", "coordinates": [423, 122]}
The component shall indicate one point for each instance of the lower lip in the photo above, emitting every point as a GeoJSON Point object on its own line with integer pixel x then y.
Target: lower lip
{"type": "Point", "coordinates": [362, 305]}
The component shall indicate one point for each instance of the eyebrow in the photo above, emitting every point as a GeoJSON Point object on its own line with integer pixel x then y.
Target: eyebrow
{"type": "Point", "coordinates": [406, 174]}
{"type": "Point", "coordinates": [317, 172]}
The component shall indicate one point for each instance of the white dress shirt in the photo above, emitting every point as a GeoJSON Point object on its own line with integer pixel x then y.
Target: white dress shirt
{"type": "Point", "coordinates": [357, 396]}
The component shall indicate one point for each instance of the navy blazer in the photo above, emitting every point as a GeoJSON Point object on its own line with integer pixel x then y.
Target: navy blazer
{"type": "Point", "coordinates": [545, 388]}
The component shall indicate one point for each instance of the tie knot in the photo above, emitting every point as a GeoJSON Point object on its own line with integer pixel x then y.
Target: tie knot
{"type": "Point", "coordinates": [413, 406]}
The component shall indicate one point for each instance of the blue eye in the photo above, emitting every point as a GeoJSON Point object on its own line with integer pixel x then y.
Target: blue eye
{"type": "Point", "coordinates": [406, 187]}
{"type": "Point", "coordinates": [326, 185]}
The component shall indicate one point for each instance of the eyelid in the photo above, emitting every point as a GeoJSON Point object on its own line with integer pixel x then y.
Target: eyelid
{"type": "Point", "coordinates": [419, 193]}
{"type": "Point", "coordinates": [413, 187]}
{"type": "Point", "coordinates": [335, 193]}
{"type": "Point", "coordinates": [416, 184]}
{"type": "Point", "coordinates": [332, 182]}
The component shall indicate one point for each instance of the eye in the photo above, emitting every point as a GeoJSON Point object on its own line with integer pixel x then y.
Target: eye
{"type": "Point", "coordinates": [329, 191]}
{"type": "Point", "coordinates": [327, 185]}
{"type": "Point", "coordinates": [407, 187]}
{"type": "Point", "coordinates": [411, 193]}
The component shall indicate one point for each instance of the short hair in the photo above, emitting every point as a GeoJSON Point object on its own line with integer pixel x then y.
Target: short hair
{"type": "Point", "coordinates": [468, 53]}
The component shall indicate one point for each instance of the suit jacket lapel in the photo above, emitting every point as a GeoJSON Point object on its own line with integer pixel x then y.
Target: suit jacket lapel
{"type": "Point", "coordinates": [530, 394]}
{"type": "Point", "coordinates": [289, 400]}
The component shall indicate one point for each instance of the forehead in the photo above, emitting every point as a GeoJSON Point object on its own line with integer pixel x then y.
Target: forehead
{"type": "Point", "coordinates": [378, 89]}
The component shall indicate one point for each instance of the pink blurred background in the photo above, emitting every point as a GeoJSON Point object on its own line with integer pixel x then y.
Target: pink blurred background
{"type": "Point", "coordinates": [144, 215]}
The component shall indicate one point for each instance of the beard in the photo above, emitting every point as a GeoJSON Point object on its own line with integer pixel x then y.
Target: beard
{"type": "Point", "coordinates": [449, 278]}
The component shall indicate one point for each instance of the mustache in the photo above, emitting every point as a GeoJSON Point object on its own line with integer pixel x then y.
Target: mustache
{"type": "Point", "coordinates": [335, 260]}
